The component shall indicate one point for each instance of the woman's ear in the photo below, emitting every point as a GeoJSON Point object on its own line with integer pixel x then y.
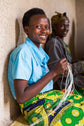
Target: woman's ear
{"type": "Point", "coordinates": [26, 29]}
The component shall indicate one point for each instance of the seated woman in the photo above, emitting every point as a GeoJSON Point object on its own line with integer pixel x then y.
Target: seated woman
{"type": "Point", "coordinates": [31, 82]}
{"type": "Point", "coordinates": [57, 49]}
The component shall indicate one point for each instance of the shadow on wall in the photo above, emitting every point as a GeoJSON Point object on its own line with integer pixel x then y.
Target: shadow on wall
{"type": "Point", "coordinates": [8, 98]}
{"type": "Point", "coordinates": [72, 40]}
{"type": "Point", "coordinates": [19, 32]}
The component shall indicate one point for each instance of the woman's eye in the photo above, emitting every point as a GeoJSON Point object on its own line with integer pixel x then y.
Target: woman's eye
{"type": "Point", "coordinates": [47, 27]}
{"type": "Point", "coordinates": [67, 25]}
{"type": "Point", "coordinates": [38, 26]}
{"type": "Point", "coordinates": [42, 27]}
{"type": "Point", "coordinates": [61, 26]}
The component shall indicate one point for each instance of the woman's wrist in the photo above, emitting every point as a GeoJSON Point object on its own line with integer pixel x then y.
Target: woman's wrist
{"type": "Point", "coordinates": [54, 73]}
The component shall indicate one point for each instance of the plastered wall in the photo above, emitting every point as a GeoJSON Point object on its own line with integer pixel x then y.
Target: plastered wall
{"type": "Point", "coordinates": [11, 35]}
{"type": "Point", "coordinates": [80, 29]}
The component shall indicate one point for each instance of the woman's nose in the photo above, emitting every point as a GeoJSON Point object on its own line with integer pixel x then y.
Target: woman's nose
{"type": "Point", "coordinates": [43, 29]}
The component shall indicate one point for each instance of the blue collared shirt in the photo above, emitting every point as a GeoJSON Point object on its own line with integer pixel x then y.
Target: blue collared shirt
{"type": "Point", "coordinates": [28, 62]}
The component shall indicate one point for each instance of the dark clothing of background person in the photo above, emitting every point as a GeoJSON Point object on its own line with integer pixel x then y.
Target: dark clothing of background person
{"type": "Point", "coordinates": [57, 49]}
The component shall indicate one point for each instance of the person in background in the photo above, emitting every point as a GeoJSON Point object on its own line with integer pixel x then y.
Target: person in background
{"type": "Point", "coordinates": [57, 49]}
{"type": "Point", "coordinates": [30, 80]}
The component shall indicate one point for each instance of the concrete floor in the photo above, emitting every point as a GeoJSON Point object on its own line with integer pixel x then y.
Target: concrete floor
{"type": "Point", "coordinates": [20, 121]}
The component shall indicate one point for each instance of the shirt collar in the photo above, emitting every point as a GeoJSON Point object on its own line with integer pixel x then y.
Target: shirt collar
{"type": "Point", "coordinates": [39, 53]}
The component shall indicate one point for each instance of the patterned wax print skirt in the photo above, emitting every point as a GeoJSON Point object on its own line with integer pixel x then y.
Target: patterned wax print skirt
{"type": "Point", "coordinates": [40, 110]}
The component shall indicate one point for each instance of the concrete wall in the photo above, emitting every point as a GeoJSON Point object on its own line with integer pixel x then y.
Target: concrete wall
{"type": "Point", "coordinates": [80, 29]}
{"type": "Point", "coordinates": [11, 35]}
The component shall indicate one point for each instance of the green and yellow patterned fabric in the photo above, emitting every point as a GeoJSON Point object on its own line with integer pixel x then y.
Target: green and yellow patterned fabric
{"type": "Point", "coordinates": [40, 109]}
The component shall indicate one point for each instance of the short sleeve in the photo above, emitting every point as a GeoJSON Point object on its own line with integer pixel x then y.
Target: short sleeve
{"type": "Point", "coordinates": [21, 67]}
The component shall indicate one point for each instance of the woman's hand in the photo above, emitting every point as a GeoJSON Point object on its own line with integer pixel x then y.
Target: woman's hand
{"type": "Point", "coordinates": [61, 67]}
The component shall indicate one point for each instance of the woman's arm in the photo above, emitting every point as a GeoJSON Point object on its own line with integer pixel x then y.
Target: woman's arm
{"type": "Point", "coordinates": [24, 93]}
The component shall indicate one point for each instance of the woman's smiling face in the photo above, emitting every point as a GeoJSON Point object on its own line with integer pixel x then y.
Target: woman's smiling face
{"type": "Point", "coordinates": [38, 29]}
{"type": "Point", "coordinates": [62, 28]}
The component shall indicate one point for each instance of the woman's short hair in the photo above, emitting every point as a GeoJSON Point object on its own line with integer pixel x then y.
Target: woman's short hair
{"type": "Point", "coordinates": [29, 14]}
